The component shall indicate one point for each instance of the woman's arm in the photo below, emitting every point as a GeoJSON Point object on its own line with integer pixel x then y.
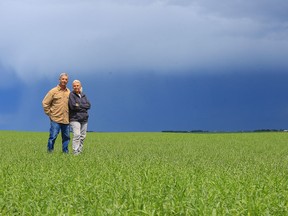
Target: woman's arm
{"type": "Point", "coordinates": [73, 102]}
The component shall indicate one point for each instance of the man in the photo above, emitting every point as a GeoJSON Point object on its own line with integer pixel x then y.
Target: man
{"type": "Point", "coordinates": [78, 116]}
{"type": "Point", "coordinates": [55, 105]}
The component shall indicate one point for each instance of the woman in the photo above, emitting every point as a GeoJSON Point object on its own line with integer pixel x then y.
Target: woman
{"type": "Point", "coordinates": [78, 116]}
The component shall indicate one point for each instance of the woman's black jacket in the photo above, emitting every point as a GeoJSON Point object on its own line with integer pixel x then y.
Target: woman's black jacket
{"type": "Point", "coordinates": [78, 107]}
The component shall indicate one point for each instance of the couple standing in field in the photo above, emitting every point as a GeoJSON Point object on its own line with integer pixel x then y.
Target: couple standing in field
{"type": "Point", "coordinates": [67, 109]}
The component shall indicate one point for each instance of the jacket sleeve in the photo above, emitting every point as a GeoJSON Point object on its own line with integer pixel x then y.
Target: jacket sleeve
{"type": "Point", "coordinates": [72, 103]}
{"type": "Point", "coordinates": [46, 103]}
{"type": "Point", "coordinates": [86, 105]}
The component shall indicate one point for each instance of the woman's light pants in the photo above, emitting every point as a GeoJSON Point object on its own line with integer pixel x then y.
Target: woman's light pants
{"type": "Point", "coordinates": [79, 134]}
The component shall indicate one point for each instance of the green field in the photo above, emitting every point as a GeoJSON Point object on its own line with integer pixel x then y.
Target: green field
{"type": "Point", "coordinates": [146, 174]}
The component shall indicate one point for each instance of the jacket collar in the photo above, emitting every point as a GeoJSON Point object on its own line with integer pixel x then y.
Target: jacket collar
{"type": "Point", "coordinates": [81, 93]}
{"type": "Point", "coordinates": [59, 88]}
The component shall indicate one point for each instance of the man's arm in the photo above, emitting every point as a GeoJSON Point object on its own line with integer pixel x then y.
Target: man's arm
{"type": "Point", "coordinates": [46, 103]}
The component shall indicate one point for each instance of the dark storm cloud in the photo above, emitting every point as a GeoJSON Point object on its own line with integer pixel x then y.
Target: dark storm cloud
{"type": "Point", "coordinates": [40, 38]}
{"type": "Point", "coordinates": [148, 65]}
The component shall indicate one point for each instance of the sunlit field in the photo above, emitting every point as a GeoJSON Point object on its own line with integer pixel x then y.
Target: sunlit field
{"type": "Point", "coordinates": [146, 174]}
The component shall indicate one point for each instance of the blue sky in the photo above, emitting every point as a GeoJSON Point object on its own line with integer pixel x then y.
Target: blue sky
{"type": "Point", "coordinates": [148, 65]}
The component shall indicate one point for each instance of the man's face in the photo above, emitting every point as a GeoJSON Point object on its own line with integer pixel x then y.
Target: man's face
{"type": "Point", "coordinates": [63, 81]}
{"type": "Point", "coordinates": [77, 87]}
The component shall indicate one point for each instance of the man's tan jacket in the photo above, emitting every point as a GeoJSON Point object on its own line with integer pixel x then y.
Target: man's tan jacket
{"type": "Point", "coordinates": [55, 105]}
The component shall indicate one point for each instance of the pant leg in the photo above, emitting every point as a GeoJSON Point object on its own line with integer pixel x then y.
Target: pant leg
{"type": "Point", "coordinates": [76, 127]}
{"type": "Point", "coordinates": [83, 131]}
{"type": "Point", "coordinates": [54, 131]}
{"type": "Point", "coordinates": [65, 132]}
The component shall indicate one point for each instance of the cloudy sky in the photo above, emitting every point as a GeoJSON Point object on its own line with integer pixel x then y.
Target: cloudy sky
{"type": "Point", "coordinates": [148, 65]}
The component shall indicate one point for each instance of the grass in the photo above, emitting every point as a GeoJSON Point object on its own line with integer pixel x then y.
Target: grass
{"type": "Point", "coordinates": [146, 174]}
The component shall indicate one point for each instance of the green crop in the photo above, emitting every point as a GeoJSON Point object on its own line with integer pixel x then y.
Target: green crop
{"type": "Point", "coordinates": [146, 174]}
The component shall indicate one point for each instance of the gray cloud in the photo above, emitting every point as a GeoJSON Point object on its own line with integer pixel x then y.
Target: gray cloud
{"type": "Point", "coordinates": [267, 10]}
{"type": "Point", "coordinates": [44, 38]}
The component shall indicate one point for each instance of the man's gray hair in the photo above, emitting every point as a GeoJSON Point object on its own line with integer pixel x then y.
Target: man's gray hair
{"type": "Point", "coordinates": [63, 74]}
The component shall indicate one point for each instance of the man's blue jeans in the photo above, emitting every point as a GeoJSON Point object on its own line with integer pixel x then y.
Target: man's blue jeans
{"type": "Point", "coordinates": [54, 131]}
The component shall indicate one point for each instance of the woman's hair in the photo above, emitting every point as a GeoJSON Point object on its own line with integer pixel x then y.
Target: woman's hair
{"type": "Point", "coordinates": [76, 81]}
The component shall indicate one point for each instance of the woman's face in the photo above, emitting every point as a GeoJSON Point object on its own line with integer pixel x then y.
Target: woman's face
{"type": "Point", "coordinates": [76, 87]}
